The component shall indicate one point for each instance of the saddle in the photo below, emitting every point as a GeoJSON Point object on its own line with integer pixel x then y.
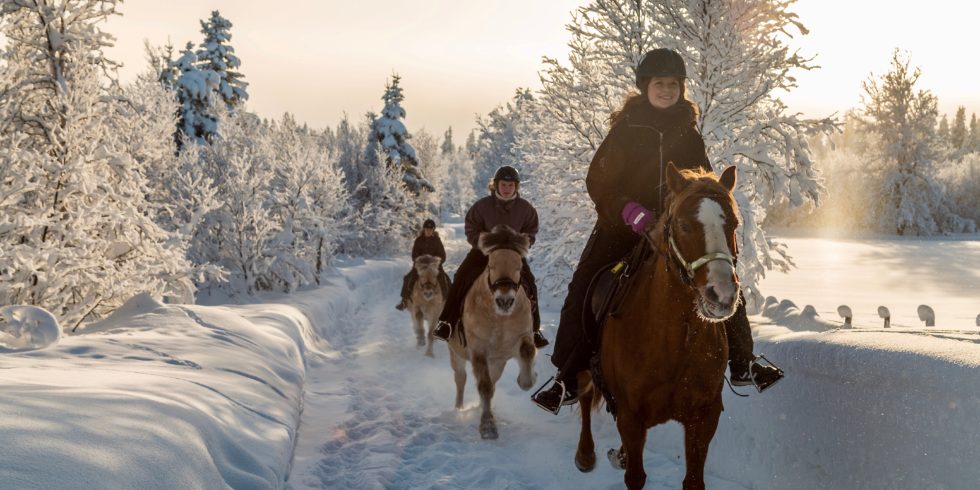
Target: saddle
{"type": "Point", "coordinates": [607, 292]}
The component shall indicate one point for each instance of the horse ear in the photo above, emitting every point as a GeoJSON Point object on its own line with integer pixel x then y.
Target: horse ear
{"type": "Point", "coordinates": [481, 242]}
{"type": "Point", "coordinates": [675, 181]}
{"type": "Point", "coordinates": [728, 178]}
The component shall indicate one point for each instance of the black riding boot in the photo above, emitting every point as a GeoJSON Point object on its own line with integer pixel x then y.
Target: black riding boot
{"type": "Point", "coordinates": [532, 293]}
{"type": "Point", "coordinates": [746, 369]}
{"type": "Point", "coordinates": [408, 282]}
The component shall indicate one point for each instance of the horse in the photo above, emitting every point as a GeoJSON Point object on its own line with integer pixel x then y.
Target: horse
{"type": "Point", "coordinates": [663, 356]}
{"type": "Point", "coordinates": [426, 300]}
{"type": "Point", "coordinates": [497, 322]}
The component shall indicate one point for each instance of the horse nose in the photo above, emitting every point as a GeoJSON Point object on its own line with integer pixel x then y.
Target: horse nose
{"type": "Point", "coordinates": [720, 294]}
{"type": "Point", "coordinates": [505, 302]}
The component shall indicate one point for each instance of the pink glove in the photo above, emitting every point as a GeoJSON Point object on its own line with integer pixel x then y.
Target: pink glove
{"type": "Point", "coordinates": [636, 216]}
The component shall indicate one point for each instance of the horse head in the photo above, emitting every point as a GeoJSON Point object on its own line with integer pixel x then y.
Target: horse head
{"type": "Point", "coordinates": [698, 232]}
{"type": "Point", "coordinates": [505, 249]}
{"type": "Point", "coordinates": [427, 267]}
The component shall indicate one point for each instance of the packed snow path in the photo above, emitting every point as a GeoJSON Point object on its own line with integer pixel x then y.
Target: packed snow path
{"type": "Point", "coordinates": [378, 414]}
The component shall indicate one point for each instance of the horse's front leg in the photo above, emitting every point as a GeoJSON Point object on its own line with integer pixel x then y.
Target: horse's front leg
{"type": "Point", "coordinates": [699, 429]}
{"type": "Point", "coordinates": [485, 386]}
{"type": "Point", "coordinates": [526, 378]}
{"type": "Point", "coordinates": [432, 320]}
{"type": "Point", "coordinates": [585, 454]}
{"type": "Point", "coordinates": [458, 364]}
{"type": "Point", "coordinates": [634, 437]}
{"type": "Point", "coordinates": [417, 319]}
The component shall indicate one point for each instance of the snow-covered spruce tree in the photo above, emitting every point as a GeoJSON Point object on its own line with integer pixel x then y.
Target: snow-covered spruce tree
{"type": "Point", "coordinates": [216, 55]}
{"type": "Point", "coordinates": [162, 63]}
{"type": "Point", "coordinates": [198, 120]}
{"type": "Point", "coordinates": [903, 121]}
{"type": "Point", "coordinates": [393, 137]}
{"type": "Point", "coordinates": [457, 193]}
{"type": "Point", "coordinates": [80, 238]}
{"type": "Point", "coordinates": [737, 60]}
{"type": "Point", "coordinates": [349, 147]}
{"type": "Point", "coordinates": [957, 133]}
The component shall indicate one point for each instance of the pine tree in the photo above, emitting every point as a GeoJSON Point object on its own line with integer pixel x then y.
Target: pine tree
{"type": "Point", "coordinates": [958, 132]}
{"type": "Point", "coordinates": [216, 55]}
{"type": "Point", "coordinates": [447, 147]}
{"type": "Point", "coordinates": [737, 62]}
{"type": "Point", "coordinates": [943, 135]}
{"type": "Point", "coordinates": [910, 199]}
{"type": "Point", "coordinates": [198, 121]}
{"type": "Point", "coordinates": [973, 140]}
{"type": "Point", "coordinates": [393, 137]}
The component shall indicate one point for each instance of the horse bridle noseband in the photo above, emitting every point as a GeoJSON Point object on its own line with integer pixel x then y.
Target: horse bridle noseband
{"type": "Point", "coordinates": [503, 281]}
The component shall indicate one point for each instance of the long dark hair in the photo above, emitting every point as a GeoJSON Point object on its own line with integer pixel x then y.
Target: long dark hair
{"type": "Point", "coordinates": [635, 101]}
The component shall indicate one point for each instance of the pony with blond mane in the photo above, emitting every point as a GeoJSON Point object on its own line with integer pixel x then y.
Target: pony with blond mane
{"type": "Point", "coordinates": [663, 356]}
{"type": "Point", "coordinates": [497, 323]}
{"type": "Point", "coordinates": [426, 300]}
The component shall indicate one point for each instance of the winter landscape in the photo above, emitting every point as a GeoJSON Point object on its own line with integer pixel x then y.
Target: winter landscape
{"type": "Point", "coordinates": [197, 295]}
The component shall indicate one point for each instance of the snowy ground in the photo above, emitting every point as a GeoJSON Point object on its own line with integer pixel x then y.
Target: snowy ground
{"type": "Point", "coordinates": [325, 389]}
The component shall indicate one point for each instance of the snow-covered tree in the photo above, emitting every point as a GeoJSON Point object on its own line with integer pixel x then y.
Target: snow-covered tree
{"type": "Point", "coordinates": [393, 137]}
{"type": "Point", "coordinates": [349, 146]}
{"type": "Point", "coordinates": [943, 137]}
{"type": "Point", "coordinates": [456, 191]}
{"type": "Point", "coordinates": [216, 55]}
{"type": "Point", "coordinates": [910, 200]}
{"type": "Point", "coordinates": [737, 61]}
{"type": "Point", "coordinates": [973, 139]}
{"type": "Point", "coordinates": [196, 88]}
{"type": "Point", "coordinates": [80, 238]}
{"type": "Point", "coordinates": [957, 133]}
{"type": "Point", "coordinates": [497, 136]}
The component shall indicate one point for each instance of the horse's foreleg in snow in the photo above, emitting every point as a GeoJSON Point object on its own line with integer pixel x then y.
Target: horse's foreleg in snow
{"type": "Point", "coordinates": [698, 431]}
{"type": "Point", "coordinates": [526, 378]}
{"type": "Point", "coordinates": [458, 364]}
{"type": "Point", "coordinates": [485, 386]}
{"type": "Point", "coordinates": [417, 320]}
{"type": "Point", "coordinates": [585, 453]}
{"type": "Point", "coordinates": [634, 437]}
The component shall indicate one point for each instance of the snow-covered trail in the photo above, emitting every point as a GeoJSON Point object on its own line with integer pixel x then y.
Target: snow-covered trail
{"type": "Point", "coordinates": [378, 414]}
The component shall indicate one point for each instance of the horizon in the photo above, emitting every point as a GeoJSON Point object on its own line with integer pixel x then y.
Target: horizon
{"type": "Point", "coordinates": [458, 62]}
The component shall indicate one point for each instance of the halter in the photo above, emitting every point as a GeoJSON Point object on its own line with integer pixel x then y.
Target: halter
{"type": "Point", "coordinates": [692, 267]}
{"type": "Point", "coordinates": [503, 281]}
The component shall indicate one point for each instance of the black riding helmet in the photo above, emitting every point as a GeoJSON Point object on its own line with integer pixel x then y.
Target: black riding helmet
{"type": "Point", "coordinates": [508, 174]}
{"type": "Point", "coordinates": [660, 62]}
{"type": "Point", "coordinates": [429, 224]}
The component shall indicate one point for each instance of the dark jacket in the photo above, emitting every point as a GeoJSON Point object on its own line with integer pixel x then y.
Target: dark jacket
{"type": "Point", "coordinates": [491, 211]}
{"type": "Point", "coordinates": [631, 163]}
{"type": "Point", "coordinates": [429, 246]}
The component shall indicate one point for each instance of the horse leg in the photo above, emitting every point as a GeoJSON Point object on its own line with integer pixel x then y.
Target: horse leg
{"type": "Point", "coordinates": [458, 364]}
{"type": "Point", "coordinates": [698, 432]}
{"type": "Point", "coordinates": [417, 326]}
{"type": "Point", "coordinates": [485, 386]}
{"type": "Point", "coordinates": [585, 454]}
{"type": "Point", "coordinates": [526, 378]}
{"type": "Point", "coordinates": [428, 340]}
{"type": "Point", "coordinates": [634, 437]}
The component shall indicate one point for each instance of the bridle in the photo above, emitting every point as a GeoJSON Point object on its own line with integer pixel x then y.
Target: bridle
{"type": "Point", "coordinates": [692, 267]}
{"type": "Point", "coordinates": [503, 281]}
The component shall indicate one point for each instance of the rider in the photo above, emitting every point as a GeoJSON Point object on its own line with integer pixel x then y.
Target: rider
{"type": "Point", "coordinates": [625, 179]}
{"type": "Point", "coordinates": [427, 243]}
{"type": "Point", "coordinates": [504, 206]}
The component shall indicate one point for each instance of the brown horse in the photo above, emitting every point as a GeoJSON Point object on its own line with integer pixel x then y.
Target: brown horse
{"type": "Point", "coordinates": [497, 322]}
{"type": "Point", "coordinates": [426, 300]}
{"type": "Point", "coordinates": [663, 358]}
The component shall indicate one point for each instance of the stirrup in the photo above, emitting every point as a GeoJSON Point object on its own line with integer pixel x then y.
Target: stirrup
{"type": "Point", "coordinates": [561, 400]}
{"type": "Point", "coordinates": [440, 325]}
{"type": "Point", "coordinates": [753, 380]}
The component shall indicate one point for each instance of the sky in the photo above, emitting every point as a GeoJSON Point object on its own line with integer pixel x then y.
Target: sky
{"type": "Point", "coordinates": [325, 388]}
{"type": "Point", "coordinates": [321, 59]}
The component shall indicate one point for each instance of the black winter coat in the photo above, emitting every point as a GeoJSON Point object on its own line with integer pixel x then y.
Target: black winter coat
{"type": "Point", "coordinates": [490, 211]}
{"type": "Point", "coordinates": [631, 163]}
{"type": "Point", "coordinates": [429, 246]}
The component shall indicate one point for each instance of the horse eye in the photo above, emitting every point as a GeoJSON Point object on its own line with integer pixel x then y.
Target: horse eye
{"type": "Point", "coordinates": [685, 227]}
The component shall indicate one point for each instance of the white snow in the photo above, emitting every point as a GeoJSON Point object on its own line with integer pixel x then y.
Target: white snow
{"type": "Point", "coordinates": [324, 388]}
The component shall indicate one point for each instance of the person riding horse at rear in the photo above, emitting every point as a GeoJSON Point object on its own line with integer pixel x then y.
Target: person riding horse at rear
{"type": "Point", "coordinates": [626, 181]}
{"type": "Point", "coordinates": [427, 243]}
{"type": "Point", "coordinates": [504, 206]}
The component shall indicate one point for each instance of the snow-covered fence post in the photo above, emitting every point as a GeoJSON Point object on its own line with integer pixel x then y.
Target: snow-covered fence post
{"type": "Point", "coordinates": [845, 312]}
{"type": "Point", "coordinates": [927, 315]}
{"type": "Point", "coordinates": [887, 315]}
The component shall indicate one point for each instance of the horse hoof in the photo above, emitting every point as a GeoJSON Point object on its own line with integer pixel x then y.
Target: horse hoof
{"type": "Point", "coordinates": [616, 459]}
{"type": "Point", "coordinates": [585, 464]}
{"type": "Point", "coordinates": [488, 433]}
{"type": "Point", "coordinates": [420, 342]}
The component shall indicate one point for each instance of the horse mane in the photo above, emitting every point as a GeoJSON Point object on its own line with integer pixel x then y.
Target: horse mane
{"type": "Point", "coordinates": [426, 260]}
{"type": "Point", "coordinates": [503, 236]}
{"type": "Point", "coordinates": [703, 183]}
